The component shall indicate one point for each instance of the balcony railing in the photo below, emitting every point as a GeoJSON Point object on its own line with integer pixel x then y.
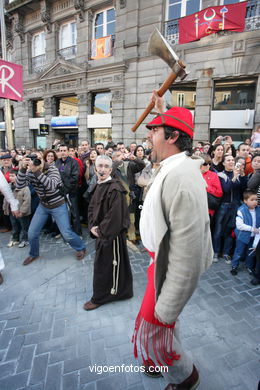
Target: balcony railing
{"type": "Point", "coordinates": [171, 27]}
{"type": "Point", "coordinates": [38, 63]}
{"type": "Point", "coordinates": [68, 52]}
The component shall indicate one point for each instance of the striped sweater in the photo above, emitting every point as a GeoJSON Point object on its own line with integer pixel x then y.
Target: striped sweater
{"type": "Point", "coordinates": [45, 183]}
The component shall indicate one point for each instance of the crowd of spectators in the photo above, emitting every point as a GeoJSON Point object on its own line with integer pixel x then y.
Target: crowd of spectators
{"type": "Point", "coordinates": [232, 181]}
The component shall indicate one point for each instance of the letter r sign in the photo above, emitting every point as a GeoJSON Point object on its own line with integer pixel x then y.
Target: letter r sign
{"type": "Point", "coordinates": [11, 80]}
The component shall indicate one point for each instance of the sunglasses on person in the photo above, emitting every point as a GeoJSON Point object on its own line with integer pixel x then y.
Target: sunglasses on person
{"type": "Point", "coordinates": [205, 164]}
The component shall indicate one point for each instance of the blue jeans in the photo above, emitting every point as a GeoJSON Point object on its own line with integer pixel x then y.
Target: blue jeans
{"type": "Point", "coordinates": [242, 250]}
{"type": "Point", "coordinates": [61, 216]}
{"type": "Point", "coordinates": [218, 231]}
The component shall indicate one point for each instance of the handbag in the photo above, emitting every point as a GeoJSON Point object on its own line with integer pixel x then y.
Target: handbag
{"type": "Point", "coordinates": [213, 201]}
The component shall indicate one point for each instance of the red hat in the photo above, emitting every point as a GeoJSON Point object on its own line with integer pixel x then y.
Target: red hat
{"type": "Point", "coordinates": [176, 117]}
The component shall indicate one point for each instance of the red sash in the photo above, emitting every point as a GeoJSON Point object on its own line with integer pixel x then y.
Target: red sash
{"type": "Point", "coordinates": [146, 323]}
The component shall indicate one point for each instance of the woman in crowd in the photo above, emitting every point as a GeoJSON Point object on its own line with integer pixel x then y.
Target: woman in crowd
{"type": "Point", "coordinates": [140, 184]}
{"type": "Point", "coordinates": [233, 184]}
{"type": "Point", "coordinates": [216, 153]}
{"type": "Point", "coordinates": [213, 184]}
{"type": "Point", "coordinates": [91, 178]}
{"type": "Point", "coordinates": [254, 177]}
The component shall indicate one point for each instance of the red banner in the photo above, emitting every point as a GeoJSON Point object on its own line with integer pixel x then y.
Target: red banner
{"type": "Point", "coordinates": [212, 19]}
{"type": "Point", "coordinates": [11, 80]}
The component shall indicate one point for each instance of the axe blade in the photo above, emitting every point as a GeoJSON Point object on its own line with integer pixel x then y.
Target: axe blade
{"type": "Point", "coordinates": [158, 46]}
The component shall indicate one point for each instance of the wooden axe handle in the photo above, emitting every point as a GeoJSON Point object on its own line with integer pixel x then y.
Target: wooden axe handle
{"type": "Point", "coordinates": [167, 83]}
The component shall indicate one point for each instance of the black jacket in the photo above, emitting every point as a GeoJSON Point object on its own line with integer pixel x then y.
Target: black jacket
{"type": "Point", "coordinates": [69, 171]}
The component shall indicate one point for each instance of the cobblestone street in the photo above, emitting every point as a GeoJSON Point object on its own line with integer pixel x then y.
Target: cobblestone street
{"type": "Point", "coordinates": [48, 342]}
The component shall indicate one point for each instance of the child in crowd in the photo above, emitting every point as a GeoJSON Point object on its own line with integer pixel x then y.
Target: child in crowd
{"type": "Point", "coordinates": [247, 226]}
{"type": "Point", "coordinates": [20, 225]}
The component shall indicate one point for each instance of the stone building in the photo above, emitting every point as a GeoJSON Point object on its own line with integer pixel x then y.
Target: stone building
{"type": "Point", "coordinates": [88, 74]}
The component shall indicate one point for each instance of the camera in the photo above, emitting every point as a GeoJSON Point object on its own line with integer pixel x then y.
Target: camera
{"type": "Point", "coordinates": [36, 161]}
{"type": "Point", "coordinates": [238, 165]}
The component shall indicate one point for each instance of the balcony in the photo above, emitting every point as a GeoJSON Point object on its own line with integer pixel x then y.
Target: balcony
{"type": "Point", "coordinates": [68, 53]}
{"type": "Point", "coordinates": [38, 63]}
{"type": "Point", "coordinates": [171, 27]}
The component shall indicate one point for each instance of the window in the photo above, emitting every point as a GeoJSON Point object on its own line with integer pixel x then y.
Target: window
{"type": "Point", "coordinates": [38, 51]}
{"type": "Point", "coordinates": [180, 99]}
{"type": "Point", "coordinates": [179, 8]}
{"type": "Point", "coordinates": [67, 106]}
{"type": "Point", "coordinates": [104, 23]}
{"type": "Point", "coordinates": [101, 103]}
{"type": "Point", "coordinates": [38, 108]}
{"type": "Point", "coordinates": [68, 40]}
{"type": "Point", "coordinates": [234, 94]}
{"type": "Point", "coordinates": [182, 96]}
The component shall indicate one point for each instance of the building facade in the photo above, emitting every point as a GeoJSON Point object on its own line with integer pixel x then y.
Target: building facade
{"type": "Point", "coordinates": [88, 74]}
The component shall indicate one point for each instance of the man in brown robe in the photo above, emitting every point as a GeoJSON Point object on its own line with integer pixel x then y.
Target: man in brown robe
{"type": "Point", "coordinates": [108, 219]}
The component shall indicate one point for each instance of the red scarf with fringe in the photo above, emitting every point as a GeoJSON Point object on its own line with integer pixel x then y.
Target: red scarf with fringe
{"type": "Point", "coordinates": [146, 323]}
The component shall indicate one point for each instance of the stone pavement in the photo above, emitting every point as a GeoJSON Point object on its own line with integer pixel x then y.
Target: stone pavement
{"type": "Point", "coordinates": [48, 342]}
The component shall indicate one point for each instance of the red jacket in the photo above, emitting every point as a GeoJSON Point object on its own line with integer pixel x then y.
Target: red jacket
{"type": "Point", "coordinates": [213, 185]}
{"type": "Point", "coordinates": [80, 169]}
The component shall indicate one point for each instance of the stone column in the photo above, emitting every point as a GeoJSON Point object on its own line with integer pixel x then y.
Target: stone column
{"type": "Point", "coordinates": [117, 115]}
{"type": "Point", "coordinates": [22, 111]}
{"type": "Point", "coordinates": [204, 93]}
{"type": "Point", "coordinates": [49, 109]}
{"type": "Point", "coordinates": [84, 106]}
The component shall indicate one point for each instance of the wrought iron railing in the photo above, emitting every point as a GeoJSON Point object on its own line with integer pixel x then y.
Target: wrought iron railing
{"type": "Point", "coordinates": [38, 63]}
{"type": "Point", "coordinates": [171, 27]}
{"type": "Point", "coordinates": [68, 52]}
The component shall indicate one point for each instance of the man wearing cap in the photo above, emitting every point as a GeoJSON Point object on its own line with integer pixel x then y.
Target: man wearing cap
{"type": "Point", "coordinates": [175, 230]}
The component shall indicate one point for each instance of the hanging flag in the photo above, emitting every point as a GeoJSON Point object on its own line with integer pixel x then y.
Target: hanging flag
{"type": "Point", "coordinates": [11, 80]}
{"type": "Point", "coordinates": [101, 47]}
{"type": "Point", "coordinates": [212, 19]}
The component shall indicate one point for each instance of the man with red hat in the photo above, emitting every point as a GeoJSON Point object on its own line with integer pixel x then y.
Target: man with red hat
{"type": "Point", "coordinates": [175, 230]}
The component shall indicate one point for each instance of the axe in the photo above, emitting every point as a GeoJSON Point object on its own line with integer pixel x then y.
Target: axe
{"type": "Point", "coordinates": [158, 46]}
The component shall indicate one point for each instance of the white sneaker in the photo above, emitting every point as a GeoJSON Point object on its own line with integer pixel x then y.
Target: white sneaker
{"type": "Point", "coordinates": [227, 259]}
{"type": "Point", "coordinates": [12, 243]}
{"type": "Point", "coordinates": [215, 258]}
{"type": "Point", "coordinates": [23, 244]}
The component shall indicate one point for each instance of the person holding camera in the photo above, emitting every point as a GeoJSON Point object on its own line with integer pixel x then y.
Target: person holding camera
{"type": "Point", "coordinates": [46, 180]}
{"type": "Point", "coordinates": [233, 184]}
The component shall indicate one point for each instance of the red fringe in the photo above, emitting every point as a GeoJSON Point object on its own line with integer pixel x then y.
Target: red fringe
{"type": "Point", "coordinates": [162, 342]}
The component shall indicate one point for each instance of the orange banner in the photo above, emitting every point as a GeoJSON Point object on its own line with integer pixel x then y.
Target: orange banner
{"type": "Point", "coordinates": [101, 47]}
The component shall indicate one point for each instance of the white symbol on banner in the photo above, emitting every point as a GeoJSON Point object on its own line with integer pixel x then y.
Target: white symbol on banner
{"type": "Point", "coordinates": [223, 11]}
{"type": "Point", "coordinates": [4, 79]}
{"type": "Point", "coordinates": [211, 16]}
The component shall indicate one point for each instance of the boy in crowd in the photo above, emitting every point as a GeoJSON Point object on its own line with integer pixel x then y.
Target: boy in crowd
{"type": "Point", "coordinates": [247, 226]}
{"type": "Point", "coordinates": [21, 222]}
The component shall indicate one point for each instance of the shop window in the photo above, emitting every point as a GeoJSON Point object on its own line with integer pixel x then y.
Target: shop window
{"type": "Point", "coordinates": [234, 94]}
{"type": "Point", "coordinates": [68, 40]}
{"type": "Point", "coordinates": [38, 108]}
{"type": "Point", "coordinates": [182, 96]}
{"type": "Point", "coordinates": [2, 115]}
{"type": "Point", "coordinates": [101, 103]}
{"type": "Point", "coordinates": [67, 106]}
{"type": "Point", "coordinates": [38, 51]}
